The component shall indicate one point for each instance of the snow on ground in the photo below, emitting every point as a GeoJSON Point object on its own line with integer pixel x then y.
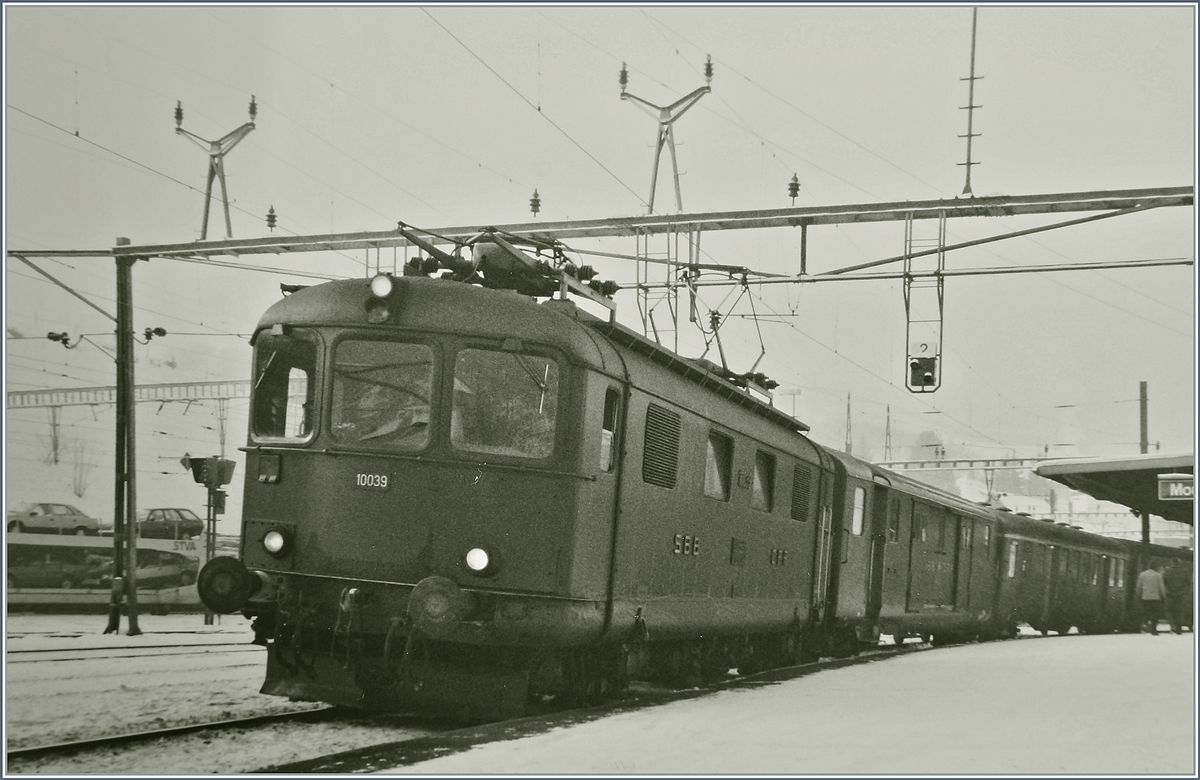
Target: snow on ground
{"type": "Point", "coordinates": [1120, 704]}
{"type": "Point", "coordinates": [41, 632]}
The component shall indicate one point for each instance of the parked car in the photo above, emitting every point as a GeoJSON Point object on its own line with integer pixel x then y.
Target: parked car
{"type": "Point", "coordinates": [51, 519]}
{"type": "Point", "coordinates": [159, 569]}
{"type": "Point", "coordinates": [50, 567]}
{"type": "Point", "coordinates": [169, 523]}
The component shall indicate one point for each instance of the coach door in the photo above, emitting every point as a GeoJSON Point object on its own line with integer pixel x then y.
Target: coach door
{"type": "Point", "coordinates": [823, 562]}
{"type": "Point", "coordinates": [878, 532]}
{"type": "Point", "coordinates": [962, 589]}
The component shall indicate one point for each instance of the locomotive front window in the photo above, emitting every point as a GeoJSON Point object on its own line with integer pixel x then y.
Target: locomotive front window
{"type": "Point", "coordinates": [283, 386]}
{"type": "Point", "coordinates": [505, 403]}
{"type": "Point", "coordinates": [381, 394]}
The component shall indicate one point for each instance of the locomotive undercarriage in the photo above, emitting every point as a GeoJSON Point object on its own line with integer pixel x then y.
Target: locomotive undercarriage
{"type": "Point", "coordinates": [337, 649]}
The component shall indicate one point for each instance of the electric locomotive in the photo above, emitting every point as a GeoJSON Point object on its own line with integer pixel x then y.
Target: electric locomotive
{"type": "Point", "coordinates": [459, 499]}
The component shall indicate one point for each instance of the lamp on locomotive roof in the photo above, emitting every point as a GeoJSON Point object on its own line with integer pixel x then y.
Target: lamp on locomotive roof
{"type": "Point", "coordinates": [382, 287]}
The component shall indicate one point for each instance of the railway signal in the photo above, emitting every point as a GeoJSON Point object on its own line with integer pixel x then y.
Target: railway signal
{"type": "Point", "coordinates": [214, 473]}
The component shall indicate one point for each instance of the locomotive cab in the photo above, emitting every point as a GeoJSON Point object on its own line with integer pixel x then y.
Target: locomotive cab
{"type": "Point", "coordinates": [414, 478]}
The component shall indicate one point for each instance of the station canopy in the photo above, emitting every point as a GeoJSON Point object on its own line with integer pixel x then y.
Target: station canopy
{"type": "Point", "coordinates": [1131, 481]}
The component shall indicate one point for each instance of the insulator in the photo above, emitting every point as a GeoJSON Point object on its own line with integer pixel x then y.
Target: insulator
{"type": "Point", "coordinates": [708, 69]}
{"type": "Point", "coordinates": [179, 113]}
{"type": "Point", "coordinates": [794, 187]}
{"type": "Point", "coordinates": [430, 265]}
{"type": "Point", "coordinates": [253, 108]}
{"type": "Point", "coordinates": [586, 273]}
{"type": "Point", "coordinates": [63, 337]}
{"type": "Point", "coordinates": [624, 77]}
{"type": "Point", "coordinates": [271, 218]}
{"type": "Point", "coordinates": [609, 288]}
{"type": "Point", "coordinates": [535, 203]}
{"type": "Point", "coordinates": [159, 331]}
{"type": "Point", "coordinates": [571, 270]}
{"type": "Point", "coordinates": [412, 267]}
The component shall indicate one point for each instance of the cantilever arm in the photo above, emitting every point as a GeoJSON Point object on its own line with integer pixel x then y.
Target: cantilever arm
{"type": "Point", "coordinates": [203, 143]}
{"type": "Point", "coordinates": [234, 136]}
{"type": "Point", "coordinates": [689, 100]}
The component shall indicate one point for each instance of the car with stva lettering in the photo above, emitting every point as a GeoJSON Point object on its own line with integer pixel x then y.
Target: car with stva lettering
{"type": "Point", "coordinates": [46, 518]}
{"type": "Point", "coordinates": [169, 523]}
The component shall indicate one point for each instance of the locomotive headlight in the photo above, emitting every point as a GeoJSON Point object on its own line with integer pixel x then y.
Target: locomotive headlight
{"type": "Point", "coordinates": [275, 542]}
{"type": "Point", "coordinates": [478, 559]}
{"type": "Point", "coordinates": [481, 562]}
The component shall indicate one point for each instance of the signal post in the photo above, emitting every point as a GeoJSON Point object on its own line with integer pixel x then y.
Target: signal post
{"type": "Point", "coordinates": [214, 473]}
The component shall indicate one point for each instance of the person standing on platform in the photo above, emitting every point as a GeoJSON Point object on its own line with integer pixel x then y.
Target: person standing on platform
{"type": "Point", "coordinates": [1179, 595]}
{"type": "Point", "coordinates": [1153, 592]}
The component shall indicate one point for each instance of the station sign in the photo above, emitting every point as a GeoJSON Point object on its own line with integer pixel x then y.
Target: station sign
{"type": "Point", "coordinates": [1175, 487]}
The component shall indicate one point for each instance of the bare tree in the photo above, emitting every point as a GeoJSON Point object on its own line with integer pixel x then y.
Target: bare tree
{"type": "Point", "coordinates": [83, 462]}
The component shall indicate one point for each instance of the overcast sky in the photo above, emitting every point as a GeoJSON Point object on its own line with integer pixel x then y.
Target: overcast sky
{"type": "Point", "coordinates": [451, 116]}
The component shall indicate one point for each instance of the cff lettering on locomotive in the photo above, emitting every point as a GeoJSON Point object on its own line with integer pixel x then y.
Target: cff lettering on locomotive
{"type": "Point", "coordinates": [463, 500]}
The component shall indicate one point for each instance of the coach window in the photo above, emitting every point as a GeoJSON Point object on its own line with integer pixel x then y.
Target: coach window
{"type": "Point", "coordinates": [987, 535]}
{"type": "Point", "coordinates": [283, 387]}
{"type": "Point", "coordinates": [381, 394]}
{"type": "Point", "coordinates": [505, 403]}
{"type": "Point", "coordinates": [893, 529]}
{"type": "Point", "coordinates": [1120, 572]}
{"type": "Point", "coordinates": [608, 429]}
{"type": "Point", "coordinates": [717, 463]}
{"type": "Point", "coordinates": [860, 502]}
{"type": "Point", "coordinates": [1012, 560]}
{"type": "Point", "coordinates": [1095, 570]}
{"type": "Point", "coordinates": [763, 494]}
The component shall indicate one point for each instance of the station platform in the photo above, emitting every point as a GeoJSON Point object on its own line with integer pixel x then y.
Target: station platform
{"type": "Point", "coordinates": [1120, 704]}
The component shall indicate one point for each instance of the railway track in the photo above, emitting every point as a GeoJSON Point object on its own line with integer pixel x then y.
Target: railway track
{"type": "Point", "coordinates": [316, 715]}
{"type": "Point", "coordinates": [422, 738]}
{"type": "Point", "coordinates": [384, 756]}
{"type": "Point", "coordinates": [325, 731]}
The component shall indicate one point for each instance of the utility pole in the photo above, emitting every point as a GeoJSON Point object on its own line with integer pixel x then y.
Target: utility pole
{"type": "Point", "coordinates": [216, 161]}
{"type": "Point", "coordinates": [1145, 448]}
{"type": "Point", "coordinates": [887, 436]}
{"type": "Point", "coordinates": [970, 107]}
{"type": "Point", "coordinates": [124, 582]}
{"type": "Point", "coordinates": [1145, 402]}
{"type": "Point", "coordinates": [848, 445]}
{"type": "Point", "coordinates": [667, 116]}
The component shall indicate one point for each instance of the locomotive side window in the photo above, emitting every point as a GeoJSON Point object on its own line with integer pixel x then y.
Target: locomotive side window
{"type": "Point", "coordinates": [801, 492]}
{"type": "Point", "coordinates": [660, 455]}
{"type": "Point", "coordinates": [283, 386]}
{"type": "Point", "coordinates": [608, 430]}
{"type": "Point", "coordinates": [763, 495]}
{"type": "Point", "coordinates": [1012, 560]}
{"type": "Point", "coordinates": [505, 403]}
{"type": "Point", "coordinates": [860, 503]}
{"type": "Point", "coordinates": [717, 462]}
{"type": "Point", "coordinates": [381, 394]}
